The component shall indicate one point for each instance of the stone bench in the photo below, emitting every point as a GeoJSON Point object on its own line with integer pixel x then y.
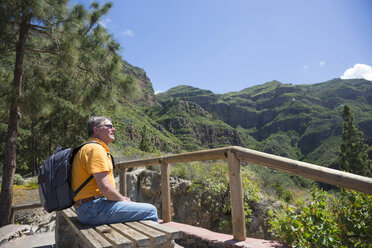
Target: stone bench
{"type": "Point", "coordinates": [71, 233]}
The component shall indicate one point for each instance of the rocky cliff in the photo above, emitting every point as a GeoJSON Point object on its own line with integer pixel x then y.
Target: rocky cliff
{"type": "Point", "coordinates": [145, 96]}
{"type": "Point", "coordinates": [193, 125]}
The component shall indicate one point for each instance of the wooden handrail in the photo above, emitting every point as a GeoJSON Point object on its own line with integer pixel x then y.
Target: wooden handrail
{"type": "Point", "coordinates": [235, 154]}
{"type": "Point", "coordinates": [316, 172]}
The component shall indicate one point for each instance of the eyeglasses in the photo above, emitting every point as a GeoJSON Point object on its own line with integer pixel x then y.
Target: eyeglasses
{"type": "Point", "coordinates": [107, 125]}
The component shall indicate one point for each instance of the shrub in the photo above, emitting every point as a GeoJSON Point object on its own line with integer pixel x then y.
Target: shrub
{"type": "Point", "coordinates": [214, 179]}
{"type": "Point", "coordinates": [280, 185]}
{"type": "Point", "coordinates": [354, 213]}
{"type": "Point", "coordinates": [18, 179]}
{"type": "Point", "coordinates": [343, 220]}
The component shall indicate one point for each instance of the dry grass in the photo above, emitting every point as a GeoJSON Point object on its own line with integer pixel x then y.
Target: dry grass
{"type": "Point", "coordinates": [25, 194]}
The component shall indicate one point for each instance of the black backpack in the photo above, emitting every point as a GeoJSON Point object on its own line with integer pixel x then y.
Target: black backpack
{"type": "Point", "coordinates": [54, 180]}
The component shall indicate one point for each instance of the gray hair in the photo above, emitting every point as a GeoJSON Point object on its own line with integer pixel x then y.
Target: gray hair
{"type": "Point", "coordinates": [95, 121]}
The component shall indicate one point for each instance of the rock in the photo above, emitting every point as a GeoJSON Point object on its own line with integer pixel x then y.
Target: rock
{"type": "Point", "coordinates": [191, 207]}
{"type": "Point", "coordinates": [12, 231]}
{"type": "Point", "coordinates": [38, 218]}
{"type": "Point", "coordinates": [258, 227]}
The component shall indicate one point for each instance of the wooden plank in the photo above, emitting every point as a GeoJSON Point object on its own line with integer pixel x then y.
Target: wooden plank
{"type": "Point", "coordinates": [139, 163]}
{"type": "Point", "coordinates": [114, 237]}
{"type": "Point", "coordinates": [212, 154]}
{"type": "Point", "coordinates": [237, 201]}
{"type": "Point", "coordinates": [90, 237]}
{"type": "Point", "coordinates": [27, 206]}
{"type": "Point", "coordinates": [316, 172]}
{"type": "Point", "coordinates": [139, 238]}
{"type": "Point", "coordinates": [165, 192]}
{"type": "Point", "coordinates": [171, 232]}
{"type": "Point", "coordinates": [70, 212]}
{"type": "Point", "coordinates": [156, 236]}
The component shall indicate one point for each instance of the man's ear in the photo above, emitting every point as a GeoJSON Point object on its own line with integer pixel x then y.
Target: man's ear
{"type": "Point", "coordinates": [95, 129]}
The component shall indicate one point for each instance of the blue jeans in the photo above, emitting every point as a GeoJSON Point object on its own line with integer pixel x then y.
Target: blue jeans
{"type": "Point", "coordinates": [102, 211]}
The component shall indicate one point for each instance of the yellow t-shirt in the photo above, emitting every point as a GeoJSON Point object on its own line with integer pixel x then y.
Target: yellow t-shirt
{"type": "Point", "coordinates": [91, 158]}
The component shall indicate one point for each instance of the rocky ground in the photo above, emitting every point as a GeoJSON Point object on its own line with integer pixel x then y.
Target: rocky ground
{"type": "Point", "coordinates": [33, 225]}
{"type": "Point", "coordinates": [39, 220]}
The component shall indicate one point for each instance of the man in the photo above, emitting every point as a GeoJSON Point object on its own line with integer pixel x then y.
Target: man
{"type": "Point", "coordinates": [99, 202]}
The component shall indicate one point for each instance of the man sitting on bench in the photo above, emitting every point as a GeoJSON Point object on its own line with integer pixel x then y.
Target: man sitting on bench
{"type": "Point", "coordinates": [99, 202]}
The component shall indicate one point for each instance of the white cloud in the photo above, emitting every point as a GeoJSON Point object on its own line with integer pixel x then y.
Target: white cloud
{"type": "Point", "coordinates": [128, 32]}
{"type": "Point", "coordinates": [158, 91]}
{"type": "Point", "coordinates": [306, 67]}
{"type": "Point", "coordinates": [322, 63]}
{"type": "Point", "coordinates": [358, 71]}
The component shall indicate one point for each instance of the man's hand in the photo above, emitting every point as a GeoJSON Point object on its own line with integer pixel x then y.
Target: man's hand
{"type": "Point", "coordinates": [126, 199]}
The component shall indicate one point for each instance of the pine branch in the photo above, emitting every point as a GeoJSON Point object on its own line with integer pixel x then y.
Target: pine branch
{"type": "Point", "coordinates": [38, 28]}
{"type": "Point", "coordinates": [5, 94]}
{"type": "Point", "coordinates": [42, 51]}
{"type": "Point", "coordinates": [85, 69]}
{"type": "Point", "coordinates": [6, 51]}
{"type": "Point", "coordinates": [55, 23]}
{"type": "Point", "coordinates": [12, 39]}
{"type": "Point", "coordinates": [90, 27]}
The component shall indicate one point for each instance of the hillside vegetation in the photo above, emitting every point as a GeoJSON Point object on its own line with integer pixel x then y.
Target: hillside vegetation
{"type": "Point", "coordinates": [303, 122]}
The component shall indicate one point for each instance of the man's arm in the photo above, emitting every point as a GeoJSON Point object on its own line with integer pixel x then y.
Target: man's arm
{"type": "Point", "coordinates": [107, 189]}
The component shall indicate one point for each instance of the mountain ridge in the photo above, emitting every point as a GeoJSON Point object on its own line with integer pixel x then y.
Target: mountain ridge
{"type": "Point", "coordinates": [308, 116]}
{"type": "Point", "coordinates": [302, 122]}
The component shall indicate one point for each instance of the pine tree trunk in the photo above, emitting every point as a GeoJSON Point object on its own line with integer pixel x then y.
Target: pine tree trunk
{"type": "Point", "coordinates": [10, 150]}
{"type": "Point", "coordinates": [34, 159]}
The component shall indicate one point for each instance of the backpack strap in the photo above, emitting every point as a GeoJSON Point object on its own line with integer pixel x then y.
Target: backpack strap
{"type": "Point", "coordinates": [83, 184]}
{"type": "Point", "coordinates": [112, 160]}
{"type": "Point", "coordinates": [91, 176]}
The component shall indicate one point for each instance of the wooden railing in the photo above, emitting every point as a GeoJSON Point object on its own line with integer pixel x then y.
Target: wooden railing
{"type": "Point", "coordinates": [234, 155]}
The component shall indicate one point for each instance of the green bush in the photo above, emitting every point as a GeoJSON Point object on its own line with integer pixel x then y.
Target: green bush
{"type": "Point", "coordinates": [354, 213]}
{"type": "Point", "coordinates": [282, 193]}
{"type": "Point", "coordinates": [343, 220]}
{"type": "Point", "coordinates": [212, 179]}
{"type": "Point", "coordinates": [18, 180]}
{"type": "Point", "coordinates": [279, 185]}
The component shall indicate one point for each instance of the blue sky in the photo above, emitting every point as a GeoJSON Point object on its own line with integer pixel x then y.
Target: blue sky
{"type": "Point", "coordinates": [225, 46]}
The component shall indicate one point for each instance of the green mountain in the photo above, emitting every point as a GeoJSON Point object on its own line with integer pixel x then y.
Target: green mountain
{"type": "Point", "coordinates": [297, 121]}
{"type": "Point", "coordinates": [194, 126]}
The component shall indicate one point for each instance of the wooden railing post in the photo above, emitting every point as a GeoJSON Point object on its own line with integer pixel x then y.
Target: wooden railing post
{"type": "Point", "coordinates": [123, 181]}
{"type": "Point", "coordinates": [236, 192]}
{"type": "Point", "coordinates": [165, 192]}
